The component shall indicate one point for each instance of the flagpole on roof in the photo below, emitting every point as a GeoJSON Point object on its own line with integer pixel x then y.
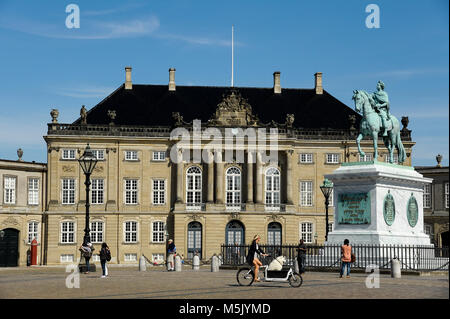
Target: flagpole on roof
{"type": "Point", "coordinates": [232, 55]}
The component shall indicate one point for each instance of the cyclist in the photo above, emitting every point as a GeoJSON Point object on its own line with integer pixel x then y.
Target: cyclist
{"type": "Point", "coordinates": [252, 257]}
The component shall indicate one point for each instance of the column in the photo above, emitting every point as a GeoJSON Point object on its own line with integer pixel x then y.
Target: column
{"type": "Point", "coordinates": [259, 177]}
{"type": "Point", "coordinates": [219, 178]}
{"type": "Point", "coordinates": [210, 177]}
{"type": "Point", "coordinates": [180, 176]}
{"type": "Point", "coordinates": [250, 177]}
{"type": "Point", "coordinates": [289, 176]}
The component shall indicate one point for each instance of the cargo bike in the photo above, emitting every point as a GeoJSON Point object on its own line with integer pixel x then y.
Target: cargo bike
{"type": "Point", "coordinates": [246, 275]}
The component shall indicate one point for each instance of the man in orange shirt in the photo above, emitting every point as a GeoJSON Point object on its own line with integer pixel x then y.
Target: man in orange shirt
{"type": "Point", "coordinates": [346, 251]}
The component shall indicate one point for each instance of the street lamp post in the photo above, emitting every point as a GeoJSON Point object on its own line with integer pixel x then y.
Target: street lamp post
{"type": "Point", "coordinates": [326, 188]}
{"type": "Point", "coordinates": [87, 162]}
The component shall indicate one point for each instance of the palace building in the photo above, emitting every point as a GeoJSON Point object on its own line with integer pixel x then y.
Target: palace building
{"type": "Point", "coordinates": [187, 163]}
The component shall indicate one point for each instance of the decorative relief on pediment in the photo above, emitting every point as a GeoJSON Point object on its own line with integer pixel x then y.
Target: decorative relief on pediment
{"type": "Point", "coordinates": [11, 221]}
{"type": "Point", "coordinates": [98, 169]}
{"type": "Point", "coordinates": [234, 110]}
{"type": "Point", "coordinates": [68, 168]}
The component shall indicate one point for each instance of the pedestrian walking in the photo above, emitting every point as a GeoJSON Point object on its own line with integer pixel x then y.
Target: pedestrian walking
{"type": "Point", "coordinates": [253, 254]}
{"type": "Point", "coordinates": [301, 256]}
{"type": "Point", "coordinates": [105, 256]}
{"type": "Point", "coordinates": [346, 258]}
{"type": "Point", "coordinates": [86, 251]}
{"type": "Point", "coordinates": [171, 250]}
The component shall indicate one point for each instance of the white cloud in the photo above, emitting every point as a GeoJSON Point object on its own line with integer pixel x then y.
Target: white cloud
{"type": "Point", "coordinates": [85, 92]}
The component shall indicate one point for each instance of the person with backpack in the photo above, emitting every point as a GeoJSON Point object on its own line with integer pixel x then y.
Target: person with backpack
{"type": "Point", "coordinates": [86, 251]}
{"type": "Point", "coordinates": [105, 255]}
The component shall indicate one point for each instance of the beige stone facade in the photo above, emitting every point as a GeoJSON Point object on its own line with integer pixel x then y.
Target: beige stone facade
{"type": "Point", "coordinates": [22, 203]}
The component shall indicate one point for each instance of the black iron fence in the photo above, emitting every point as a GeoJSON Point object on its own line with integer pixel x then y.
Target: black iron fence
{"type": "Point", "coordinates": [420, 258]}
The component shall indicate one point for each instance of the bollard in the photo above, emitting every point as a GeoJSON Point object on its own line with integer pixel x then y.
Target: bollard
{"type": "Point", "coordinates": [196, 263]}
{"type": "Point", "coordinates": [142, 266]}
{"type": "Point", "coordinates": [177, 263]}
{"type": "Point", "coordinates": [214, 264]}
{"type": "Point", "coordinates": [396, 271]}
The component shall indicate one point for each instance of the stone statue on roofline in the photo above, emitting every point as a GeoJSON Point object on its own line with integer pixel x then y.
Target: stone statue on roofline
{"type": "Point", "coordinates": [83, 115]}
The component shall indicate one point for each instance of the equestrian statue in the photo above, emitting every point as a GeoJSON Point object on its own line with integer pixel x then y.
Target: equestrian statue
{"type": "Point", "coordinates": [377, 119]}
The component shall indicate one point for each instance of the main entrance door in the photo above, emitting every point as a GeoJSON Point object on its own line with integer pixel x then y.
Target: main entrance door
{"type": "Point", "coordinates": [194, 240]}
{"type": "Point", "coordinates": [9, 247]}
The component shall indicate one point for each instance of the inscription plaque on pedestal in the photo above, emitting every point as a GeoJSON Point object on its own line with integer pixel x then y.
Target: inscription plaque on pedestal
{"type": "Point", "coordinates": [354, 209]}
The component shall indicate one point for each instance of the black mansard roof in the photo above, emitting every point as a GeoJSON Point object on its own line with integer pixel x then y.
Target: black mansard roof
{"type": "Point", "coordinates": [153, 105]}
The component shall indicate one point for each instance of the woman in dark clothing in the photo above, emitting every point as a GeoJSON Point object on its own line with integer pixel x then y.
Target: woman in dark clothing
{"type": "Point", "coordinates": [252, 257]}
{"type": "Point", "coordinates": [301, 256]}
{"type": "Point", "coordinates": [105, 255]}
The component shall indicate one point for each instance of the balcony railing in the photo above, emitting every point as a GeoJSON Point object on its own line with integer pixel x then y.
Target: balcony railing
{"type": "Point", "coordinates": [196, 206]}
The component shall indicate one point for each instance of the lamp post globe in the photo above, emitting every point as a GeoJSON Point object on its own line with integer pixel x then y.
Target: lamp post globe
{"type": "Point", "coordinates": [327, 189]}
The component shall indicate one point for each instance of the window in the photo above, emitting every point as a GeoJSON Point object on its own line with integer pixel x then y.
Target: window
{"type": "Point", "coordinates": [131, 232]}
{"type": "Point", "coordinates": [66, 258]}
{"type": "Point", "coordinates": [159, 192]}
{"type": "Point", "coordinates": [306, 158]}
{"type": "Point", "coordinates": [366, 158]}
{"type": "Point", "coordinates": [332, 158]}
{"type": "Point", "coordinates": [99, 154]}
{"type": "Point", "coordinates": [33, 191]}
{"type": "Point", "coordinates": [158, 232]}
{"type": "Point", "coordinates": [233, 188]}
{"type": "Point", "coordinates": [131, 191]}
{"type": "Point", "coordinates": [394, 158]}
{"type": "Point", "coordinates": [131, 156]}
{"type": "Point", "coordinates": [446, 195]}
{"type": "Point", "coordinates": [274, 234]}
{"type": "Point", "coordinates": [306, 230]}
{"type": "Point", "coordinates": [330, 227]}
{"type": "Point", "coordinates": [306, 193]}
{"type": "Point", "coordinates": [68, 154]}
{"type": "Point", "coordinates": [97, 194]}
{"type": "Point", "coordinates": [158, 258]}
{"type": "Point", "coordinates": [32, 231]}
{"type": "Point", "coordinates": [427, 196]}
{"type": "Point", "coordinates": [68, 191]}
{"type": "Point", "coordinates": [96, 232]}
{"type": "Point", "coordinates": [67, 232]}
{"type": "Point", "coordinates": [159, 156]}
{"type": "Point", "coordinates": [428, 229]}
{"type": "Point", "coordinates": [272, 187]}
{"type": "Point", "coordinates": [130, 257]}
{"type": "Point", "coordinates": [194, 239]}
{"type": "Point", "coordinates": [330, 199]}
{"type": "Point", "coordinates": [9, 192]}
{"type": "Point", "coordinates": [193, 187]}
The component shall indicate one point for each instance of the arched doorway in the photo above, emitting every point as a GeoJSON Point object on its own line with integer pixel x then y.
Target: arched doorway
{"type": "Point", "coordinates": [9, 247]}
{"type": "Point", "coordinates": [274, 239]}
{"type": "Point", "coordinates": [194, 240]}
{"type": "Point", "coordinates": [235, 240]}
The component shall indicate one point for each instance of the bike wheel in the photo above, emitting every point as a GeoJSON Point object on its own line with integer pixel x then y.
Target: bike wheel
{"type": "Point", "coordinates": [295, 280]}
{"type": "Point", "coordinates": [245, 276]}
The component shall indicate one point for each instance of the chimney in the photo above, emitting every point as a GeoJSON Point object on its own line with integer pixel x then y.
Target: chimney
{"type": "Point", "coordinates": [172, 86]}
{"type": "Point", "coordinates": [128, 84]}
{"type": "Point", "coordinates": [318, 83]}
{"type": "Point", "coordinates": [276, 82]}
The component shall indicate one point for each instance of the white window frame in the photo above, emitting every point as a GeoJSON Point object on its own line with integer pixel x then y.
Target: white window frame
{"type": "Point", "coordinates": [99, 154]}
{"type": "Point", "coordinates": [194, 187]}
{"type": "Point", "coordinates": [131, 156]}
{"type": "Point", "coordinates": [95, 232]}
{"type": "Point", "coordinates": [368, 157]}
{"type": "Point", "coordinates": [306, 158]}
{"type": "Point", "coordinates": [9, 190]}
{"type": "Point", "coordinates": [446, 193]}
{"type": "Point", "coordinates": [332, 158]}
{"type": "Point", "coordinates": [71, 192]}
{"type": "Point", "coordinates": [68, 154]}
{"type": "Point", "coordinates": [66, 258]}
{"type": "Point", "coordinates": [157, 231]}
{"type": "Point", "coordinates": [233, 187]}
{"type": "Point", "coordinates": [394, 156]}
{"type": "Point", "coordinates": [306, 193]}
{"type": "Point", "coordinates": [68, 232]}
{"type": "Point", "coordinates": [159, 156]}
{"type": "Point", "coordinates": [32, 231]}
{"type": "Point", "coordinates": [131, 232]}
{"type": "Point", "coordinates": [97, 191]}
{"type": "Point", "coordinates": [305, 233]}
{"type": "Point", "coordinates": [130, 257]}
{"type": "Point", "coordinates": [330, 227]}
{"type": "Point", "coordinates": [158, 191]}
{"type": "Point", "coordinates": [272, 188]}
{"type": "Point", "coordinates": [33, 190]}
{"type": "Point", "coordinates": [131, 191]}
{"type": "Point", "coordinates": [158, 258]}
{"type": "Point", "coordinates": [427, 196]}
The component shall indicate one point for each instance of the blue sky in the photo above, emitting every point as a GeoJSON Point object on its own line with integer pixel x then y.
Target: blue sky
{"type": "Point", "coordinates": [45, 65]}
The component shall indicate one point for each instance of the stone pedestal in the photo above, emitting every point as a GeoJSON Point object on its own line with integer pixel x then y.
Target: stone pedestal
{"type": "Point", "coordinates": [379, 204]}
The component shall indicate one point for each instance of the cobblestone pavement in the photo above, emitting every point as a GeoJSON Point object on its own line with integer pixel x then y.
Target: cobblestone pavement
{"type": "Point", "coordinates": [156, 283]}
